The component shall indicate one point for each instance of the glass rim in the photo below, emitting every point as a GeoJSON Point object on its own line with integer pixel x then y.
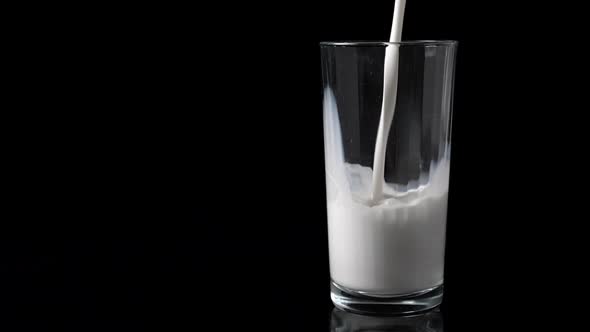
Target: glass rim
{"type": "Point", "coordinates": [385, 43]}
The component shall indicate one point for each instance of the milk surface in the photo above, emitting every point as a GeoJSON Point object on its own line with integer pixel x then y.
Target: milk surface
{"type": "Point", "coordinates": [390, 247]}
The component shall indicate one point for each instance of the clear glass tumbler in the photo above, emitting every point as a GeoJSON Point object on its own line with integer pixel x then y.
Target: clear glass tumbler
{"type": "Point", "coordinates": [387, 251]}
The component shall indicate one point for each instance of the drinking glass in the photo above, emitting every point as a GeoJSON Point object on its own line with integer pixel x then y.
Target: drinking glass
{"type": "Point", "coordinates": [387, 251]}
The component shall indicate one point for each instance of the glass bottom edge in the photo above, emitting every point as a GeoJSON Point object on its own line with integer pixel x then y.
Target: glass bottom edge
{"type": "Point", "coordinates": [363, 303]}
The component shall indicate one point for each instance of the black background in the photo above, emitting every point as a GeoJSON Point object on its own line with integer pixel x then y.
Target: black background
{"type": "Point", "coordinates": [173, 172]}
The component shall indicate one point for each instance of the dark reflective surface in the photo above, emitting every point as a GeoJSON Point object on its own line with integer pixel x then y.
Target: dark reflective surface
{"type": "Point", "coordinates": [342, 321]}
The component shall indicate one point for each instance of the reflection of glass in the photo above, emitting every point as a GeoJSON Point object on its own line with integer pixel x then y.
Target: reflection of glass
{"type": "Point", "coordinates": [343, 321]}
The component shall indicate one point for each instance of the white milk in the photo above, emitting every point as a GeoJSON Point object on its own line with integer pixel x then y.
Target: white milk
{"type": "Point", "coordinates": [392, 247]}
{"type": "Point", "coordinates": [390, 80]}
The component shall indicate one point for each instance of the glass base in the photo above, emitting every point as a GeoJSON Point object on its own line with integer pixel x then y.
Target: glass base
{"type": "Point", "coordinates": [363, 303]}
